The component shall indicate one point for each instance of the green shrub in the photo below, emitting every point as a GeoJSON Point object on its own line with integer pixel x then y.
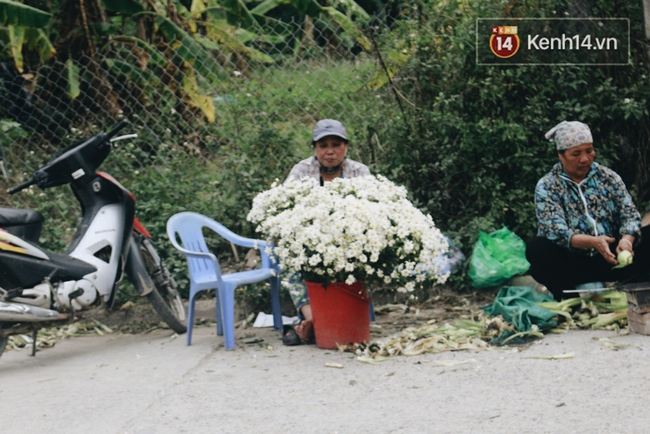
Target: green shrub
{"type": "Point", "coordinates": [470, 144]}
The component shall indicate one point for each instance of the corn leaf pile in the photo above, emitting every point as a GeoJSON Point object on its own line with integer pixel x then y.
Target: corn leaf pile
{"type": "Point", "coordinates": [47, 338]}
{"type": "Point", "coordinates": [605, 310]}
{"type": "Point", "coordinates": [430, 338]}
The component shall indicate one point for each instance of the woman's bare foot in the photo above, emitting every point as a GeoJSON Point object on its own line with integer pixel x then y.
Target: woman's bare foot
{"type": "Point", "coordinates": [305, 330]}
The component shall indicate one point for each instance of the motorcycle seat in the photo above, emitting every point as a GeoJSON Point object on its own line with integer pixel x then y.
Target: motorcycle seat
{"type": "Point", "coordinates": [24, 271]}
{"type": "Point", "coordinates": [24, 223]}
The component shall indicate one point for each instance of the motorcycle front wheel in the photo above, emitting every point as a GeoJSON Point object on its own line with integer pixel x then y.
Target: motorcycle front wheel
{"type": "Point", "coordinates": [164, 298]}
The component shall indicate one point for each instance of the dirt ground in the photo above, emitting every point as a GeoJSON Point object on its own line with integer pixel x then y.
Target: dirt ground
{"type": "Point", "coordinates": [393, 315]}
{"type": "Point", "coordinates": [152, 383]}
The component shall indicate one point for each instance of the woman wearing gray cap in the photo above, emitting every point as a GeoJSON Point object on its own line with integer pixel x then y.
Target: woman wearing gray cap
{"type": "Point", "coordinates": [585, 218]}
{"type": "Point", "coordinates": [330, 143]}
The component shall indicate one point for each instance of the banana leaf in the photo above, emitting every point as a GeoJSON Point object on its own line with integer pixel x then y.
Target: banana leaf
{"type": "Point", "coordinates": [352, 8]}
{"type": "Point", "coordinates": [308, 7]}
{"type": "Point", "coordinates": [349, 27]}
{"type": "Point", "coordinates": [197, 99]}
{"type": "Point", "coordinates": [35, 40]}
{"type": "Point", "coordinates": [144, 79]}
{"type": "Point", "coordinates": [198, 5]}
{"type": "Point", "coordinates": [72, 74]}
{"type": "Point", "coordinates": [188, 48]}
{"type": "Point", "coordinates": [233, 11]}
{"type": "Point", "coordinates": [238, 14]}
{"type": "Point", "coordinates": [15, 37]}
{"type": "Point", "coordinates": [221, 33]}
{"type": "Point", "coordinates": [158, 59]}
{"type": "Point", "coordinates": [124, 7]}
{"type": "Point", "coordinates": [17, 14]}
{"type": "Point", "coordinates": [215, 13]}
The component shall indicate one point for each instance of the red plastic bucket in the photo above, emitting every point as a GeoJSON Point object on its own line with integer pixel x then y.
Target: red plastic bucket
{"type": "Point", "coordinates": [341, 313]}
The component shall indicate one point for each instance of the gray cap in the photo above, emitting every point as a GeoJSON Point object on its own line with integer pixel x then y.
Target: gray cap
{"type": "Point", "coordinates": [329, 127]}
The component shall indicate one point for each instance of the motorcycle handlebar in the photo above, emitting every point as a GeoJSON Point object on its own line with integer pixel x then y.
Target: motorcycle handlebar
{"type": "Point", "coordinates": [117, 129]}
{"type": "Point", "coordinates": [22, 186]}
{"type": "Point", "coordinates": [96, 141]}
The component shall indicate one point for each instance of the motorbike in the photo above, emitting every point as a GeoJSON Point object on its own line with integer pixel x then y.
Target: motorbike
{"type": "Point", "coordinates": [42, 289]}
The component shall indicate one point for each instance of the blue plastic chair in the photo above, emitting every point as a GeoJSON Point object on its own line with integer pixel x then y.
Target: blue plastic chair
{"type": "Point", "coordinates": [205, 272]}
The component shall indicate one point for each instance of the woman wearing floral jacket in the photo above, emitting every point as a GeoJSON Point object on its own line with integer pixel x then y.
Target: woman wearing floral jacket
{"type": "Point", "coordinates": [585, 218]}
{"type": "Point", "coordinates": [330, 142]}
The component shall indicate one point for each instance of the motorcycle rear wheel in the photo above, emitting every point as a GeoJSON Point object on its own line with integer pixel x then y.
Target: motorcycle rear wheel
{"type": "Point", "coordinates": [164, 298]}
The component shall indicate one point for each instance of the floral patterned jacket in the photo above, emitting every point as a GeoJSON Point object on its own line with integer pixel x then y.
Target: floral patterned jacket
{"type": "Point", "coordinates": [599, 205]}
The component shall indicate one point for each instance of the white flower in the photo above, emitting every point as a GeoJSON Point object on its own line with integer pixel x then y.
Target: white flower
{"type": "Point", "coordinates": [314, 260]}
{"type": "Point", "coordinates": [342, 229]}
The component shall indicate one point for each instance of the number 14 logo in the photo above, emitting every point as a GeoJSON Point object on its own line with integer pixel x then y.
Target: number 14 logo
{"type": "Point", "coordinates": [504, 41]}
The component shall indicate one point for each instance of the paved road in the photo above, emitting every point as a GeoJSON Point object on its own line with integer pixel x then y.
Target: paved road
{"type": "Point", "coordinates": [153, 384]}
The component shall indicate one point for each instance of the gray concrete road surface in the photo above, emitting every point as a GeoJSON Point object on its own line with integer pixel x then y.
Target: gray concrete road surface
{"type": "Point", "coordinates": [154, 384]}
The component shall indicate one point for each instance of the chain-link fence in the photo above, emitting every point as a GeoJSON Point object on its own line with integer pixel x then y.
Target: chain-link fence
{"type": "Point", "coordinates": [216, 125]}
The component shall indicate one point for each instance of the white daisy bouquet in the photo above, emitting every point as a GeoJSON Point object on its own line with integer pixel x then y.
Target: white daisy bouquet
{"type": "Point", "coordinates": [358, 229]}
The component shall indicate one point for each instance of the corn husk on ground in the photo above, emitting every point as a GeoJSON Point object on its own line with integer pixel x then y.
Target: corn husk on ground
{"type": "Point", "coordinates": [605, 310]}
{"type": "Point", "coordinates": [131, 318]}
{"type": "Point", "coordinates": [460, 335]}
{"type": "Point", "coordinates": [47, 338]}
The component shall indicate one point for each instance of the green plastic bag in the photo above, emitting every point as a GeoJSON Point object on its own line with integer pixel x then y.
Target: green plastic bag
{"type": "Point", "coordinates": [497, 257]}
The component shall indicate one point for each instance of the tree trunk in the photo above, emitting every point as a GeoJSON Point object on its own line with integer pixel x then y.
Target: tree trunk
{"type": "Point", "coordinates": [307, 40]}
{"type": "Point", "coordinates": [81, 47]}
{"type": "Point", "coordinates": [646, 19]}
{"type": "Point", "coordinates": [77, 14]}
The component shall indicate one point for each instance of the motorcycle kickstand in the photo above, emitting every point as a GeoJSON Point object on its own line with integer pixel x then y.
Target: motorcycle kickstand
{"type": "Point", "coordinates": [34, 342]}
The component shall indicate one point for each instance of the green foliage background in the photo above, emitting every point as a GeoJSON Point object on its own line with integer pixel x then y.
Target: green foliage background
{"type": "Point", "coordinates": [470, 142]}
{"type": "Point", "coordinates": [466, 140]}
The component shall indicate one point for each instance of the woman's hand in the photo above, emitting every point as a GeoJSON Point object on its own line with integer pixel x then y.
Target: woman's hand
{"type": "Point", "coordinates": [625, 243]}
{"type": "Point", "coordinates": [601, 243]}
